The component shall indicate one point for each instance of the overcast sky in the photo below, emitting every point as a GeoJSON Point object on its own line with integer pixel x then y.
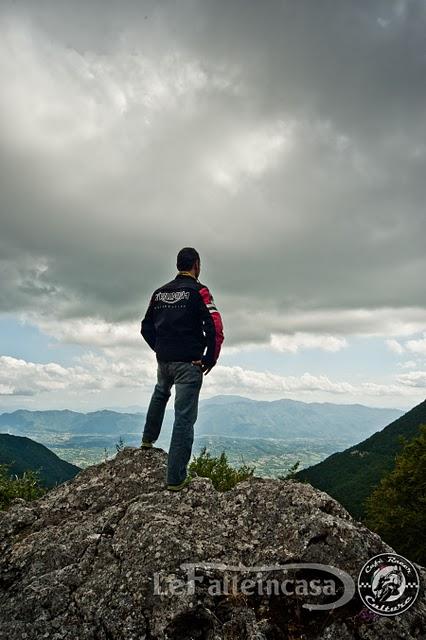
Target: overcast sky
{"type": "Point", "coordinates": [285, 140]}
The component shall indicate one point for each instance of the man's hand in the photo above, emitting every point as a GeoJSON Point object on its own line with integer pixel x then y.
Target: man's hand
{"type": "Point", "coordinates": [205, 369]}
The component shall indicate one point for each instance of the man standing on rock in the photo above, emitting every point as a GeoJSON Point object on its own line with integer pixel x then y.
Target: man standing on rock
{"type": "Point", "coordinates": [180, 323]}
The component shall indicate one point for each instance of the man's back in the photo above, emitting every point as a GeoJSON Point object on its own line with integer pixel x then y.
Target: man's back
{"type": "Point", "coordinates": [182, 320]}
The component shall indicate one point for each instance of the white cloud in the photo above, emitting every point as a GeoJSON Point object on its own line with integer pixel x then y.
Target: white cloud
{"type": "Point", "coordinates": [93, 332]}
{"type": "Point", "coordinates": [97, 332]}
{"type": "Point", "coordinates": [299, 341]}
{"type": "Point", "coordinates": [395, 346]}
{"type": "Point", "coordinates": [245, 381]}
{"type": "Point", "coordinates": [417, 346]}
{"type": "Point", "coordinates": [93, 375]}
{"type": "Point", "coordinates": [413, 346]}
{"type": "Point", "coordinates": [249, 154]}
{"type": "Point", "coordinates": [390, 390]}
{"type": "Point", "coordinates": [408, 364]}
{"type": "Point", "coordinates": [80, 97]}
{"type": "Point", "coordinates": [243, 327]}
{"type": "Point", "coordinates": [110, 336]}
{"type": "Point", "coordinates": [413, 379]}
{"type": "Point", "coordinates": [19, 377]}
{"type": "Point", "coordinates": [96, 373]}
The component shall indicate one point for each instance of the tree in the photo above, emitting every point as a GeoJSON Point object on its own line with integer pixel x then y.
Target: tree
{"type": "Point", "coordinates": [396, 509]}
{"type": "Point", "coordinates": [120, 445]}
{"type": "Point", "coordinates": [221, 473]}
{"type": "Point", "coordinates": [291, 473]}
{"type": "Point", "coordinates": [27, 486]}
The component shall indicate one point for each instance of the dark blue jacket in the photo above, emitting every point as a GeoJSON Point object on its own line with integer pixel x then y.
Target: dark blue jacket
{"type": "Point", "coordinates": [182, 321]}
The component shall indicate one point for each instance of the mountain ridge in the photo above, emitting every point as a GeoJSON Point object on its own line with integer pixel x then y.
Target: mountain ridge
{"type": "Point", "coordinates": [351, 475]}
{"type": "Point", "coordinates": [22, 454]}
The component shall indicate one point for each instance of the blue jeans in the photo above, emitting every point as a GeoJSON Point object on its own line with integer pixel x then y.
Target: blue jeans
{"type": "Point", "coordinates": [188, 379]}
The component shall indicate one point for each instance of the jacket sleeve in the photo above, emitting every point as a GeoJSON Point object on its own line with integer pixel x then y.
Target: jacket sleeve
{"type": "Point", "coordinates": [148, 327]}
{"type": "Point", "coordinates": [212, 327]}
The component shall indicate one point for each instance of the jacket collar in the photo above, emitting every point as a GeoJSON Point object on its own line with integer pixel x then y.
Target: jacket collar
{"type": "Point", "coordinates": [185, 273]}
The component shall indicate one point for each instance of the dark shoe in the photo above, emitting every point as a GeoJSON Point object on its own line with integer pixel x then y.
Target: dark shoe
{"type": "Point", "coordinates": [146, 445]}
{"type": "Point", "coordinates": [179, 487]}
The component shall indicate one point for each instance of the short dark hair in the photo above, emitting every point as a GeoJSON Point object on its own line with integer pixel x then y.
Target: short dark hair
{"type": "Point", "coordinates": [186, 258]}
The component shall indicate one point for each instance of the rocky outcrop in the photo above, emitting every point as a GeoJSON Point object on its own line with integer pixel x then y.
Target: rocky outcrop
{"type": "Point", "coordinates": [100, 558]}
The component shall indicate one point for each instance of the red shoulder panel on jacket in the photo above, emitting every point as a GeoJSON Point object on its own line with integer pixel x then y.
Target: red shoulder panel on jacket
{"type": "Point", "coordinates": [216, 317]}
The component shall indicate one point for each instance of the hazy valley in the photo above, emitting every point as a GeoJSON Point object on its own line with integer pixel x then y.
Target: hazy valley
{"type": "Point", "coordinates": [270, 435]}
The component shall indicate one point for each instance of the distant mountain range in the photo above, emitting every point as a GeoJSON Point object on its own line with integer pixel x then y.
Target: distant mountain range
{"type": "Point", "coordinates": [350, 476]}
{"type": "Point", "coordinates": [230, 416]}
{"type": "Point", "coordinates": [22, 454]}
{"type": "Point", "coordinates": [272, 436]}
{"type": "Point", "coordinates": [71, 423]}
{"type": "Point", "coordinates": [239, 416]}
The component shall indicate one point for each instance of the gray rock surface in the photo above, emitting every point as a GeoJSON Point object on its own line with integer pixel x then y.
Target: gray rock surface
{"type": "Point", "coordinates": [81, 562]}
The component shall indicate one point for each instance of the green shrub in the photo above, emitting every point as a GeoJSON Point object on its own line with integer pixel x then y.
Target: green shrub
{"type": "Point", "coordinates": [218, 469]}
{"type": "Point", "coordinates": [120, 445]}
{"type": "Point", "coordinates": [27, 486]}
{"type": "Point", "coordinates": [291, 473]}
{"type": "Point", "coordinates": [396, 509]}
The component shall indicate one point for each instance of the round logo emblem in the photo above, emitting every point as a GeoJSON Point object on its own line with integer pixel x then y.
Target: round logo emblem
{"type": "Point", "coordinates": [388, 584]}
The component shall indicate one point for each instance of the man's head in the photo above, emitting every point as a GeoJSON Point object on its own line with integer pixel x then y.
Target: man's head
{"type": "Point", "coordinates": [188, 259]}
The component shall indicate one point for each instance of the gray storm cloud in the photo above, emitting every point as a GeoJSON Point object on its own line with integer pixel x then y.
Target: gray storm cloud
{"type": "Point", "coordinates": [285, 140]}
